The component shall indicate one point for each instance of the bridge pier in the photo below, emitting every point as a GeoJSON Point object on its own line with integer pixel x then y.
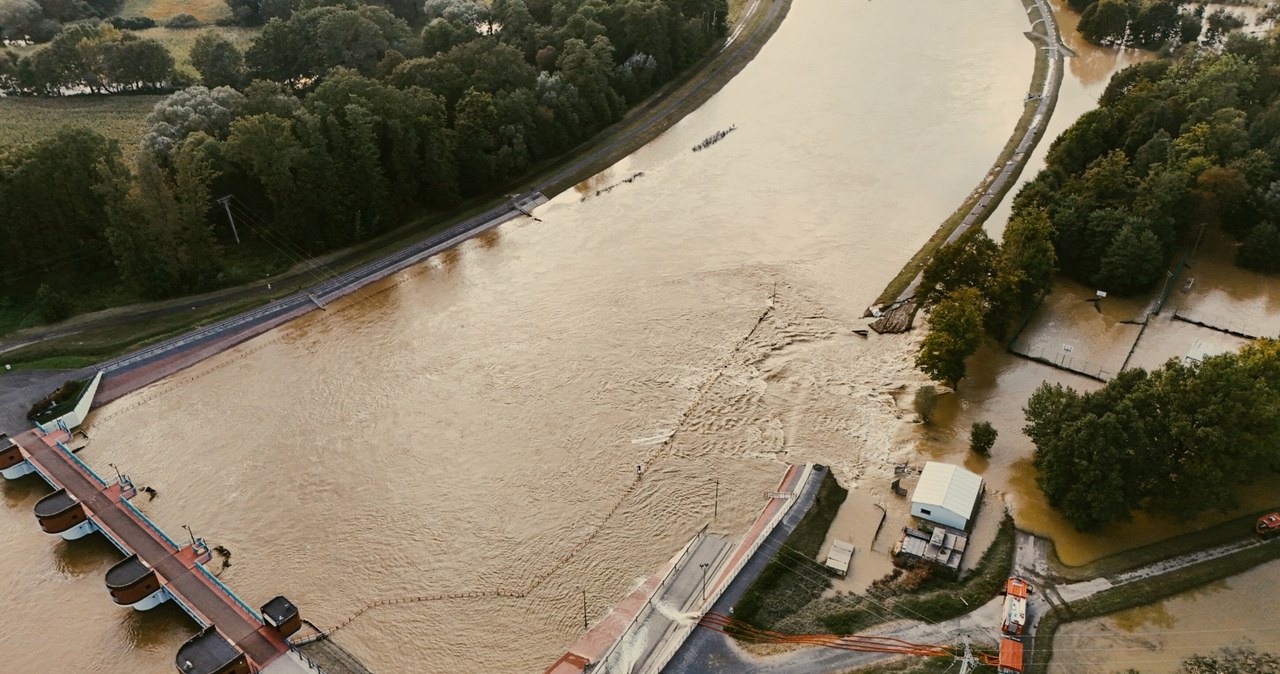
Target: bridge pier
{"type": "Point", "coordinates": [133, 583]}
{"type": "Point", "coordinates": [13, 464]}
{"type": "Point", "coordinates": [156, 569]}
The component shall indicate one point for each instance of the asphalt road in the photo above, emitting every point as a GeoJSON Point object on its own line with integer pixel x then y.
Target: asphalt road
{"type": "Point", "coordinates": [706, 650]}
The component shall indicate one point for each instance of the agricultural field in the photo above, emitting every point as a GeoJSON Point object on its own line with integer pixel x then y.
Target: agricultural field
{"type": "Point", "coordinates": [179, 40]}
{"type": "Point", "coordinates": [123, 118]}
{"type": "Point", "coordinates": [205, 10]}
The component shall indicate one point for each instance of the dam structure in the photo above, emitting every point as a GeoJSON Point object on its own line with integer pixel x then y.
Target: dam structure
{"type": "Point", "coordinates": [233, 639]}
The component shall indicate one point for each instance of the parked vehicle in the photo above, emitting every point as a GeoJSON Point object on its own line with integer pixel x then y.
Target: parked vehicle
{"type": "Point", "coordinates": [1268, 525]}
{"type": "Point", "coordinates": [1014, 616]}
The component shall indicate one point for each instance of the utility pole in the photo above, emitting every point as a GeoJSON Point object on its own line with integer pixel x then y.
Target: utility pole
{"type": "Point", "coordinates": [226, 204]}
{"type": "Point", "coordinates": [968, 662]}
{"type": "Point", "coordinates": [584, 608]}
{"type": "Point", "coordinates": [715, 512]}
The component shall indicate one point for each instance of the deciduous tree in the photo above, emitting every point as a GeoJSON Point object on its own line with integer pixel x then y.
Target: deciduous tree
{"type": "Point", "coordinates": [955, 332]}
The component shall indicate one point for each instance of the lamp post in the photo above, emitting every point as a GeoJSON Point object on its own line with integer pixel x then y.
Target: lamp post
{"type": "Point", "coordinates": [704, 567]}
{"type": "Point", "coordinates": [716, 508]}
{"type": "Point", "coordinates": [192, 535]}
{"type": "Point", "coordinates": [119, 478]}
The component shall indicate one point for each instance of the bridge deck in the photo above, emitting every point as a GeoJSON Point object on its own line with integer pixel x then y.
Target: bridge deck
{"type": "Point", "coordinates": [189, 584]}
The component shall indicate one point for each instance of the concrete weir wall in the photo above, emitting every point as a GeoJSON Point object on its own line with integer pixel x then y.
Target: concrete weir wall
{"type": "Point", "coordinates": [77, 416]}
{"type": "Point", "coordinates": [642, 634]}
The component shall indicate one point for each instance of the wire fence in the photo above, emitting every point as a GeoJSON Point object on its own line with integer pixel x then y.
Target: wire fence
{"type": "Point", "coordinates": [1237, 328]}
{"type": "Point", "coordinates": [1063, 360]}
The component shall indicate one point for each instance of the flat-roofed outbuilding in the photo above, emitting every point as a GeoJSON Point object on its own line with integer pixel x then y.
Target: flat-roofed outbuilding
{"type": "Point", "coordinates": [946, 494]}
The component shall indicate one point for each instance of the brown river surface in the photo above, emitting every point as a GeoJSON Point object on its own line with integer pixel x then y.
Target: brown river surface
{"type": "Point", "coordinates": [469, 423]}
{"type": "Point", "coordinates": [1238, 612]}
{"type": "Point", "coordinates": [466, 424]}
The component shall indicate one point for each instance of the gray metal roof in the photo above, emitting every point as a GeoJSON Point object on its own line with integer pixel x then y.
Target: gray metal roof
{"type": "Point", "coordinates": [948, 486]}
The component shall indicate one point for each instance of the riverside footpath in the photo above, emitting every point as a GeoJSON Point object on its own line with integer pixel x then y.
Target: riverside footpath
{"type": "Point", "coordinates": [1000, 179]}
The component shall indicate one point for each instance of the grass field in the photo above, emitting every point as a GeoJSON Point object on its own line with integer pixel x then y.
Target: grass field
{"type": "Point", "coordinates": [123, 118]}
{"type": "Point", "coordinates": [205, 10]}
{"type": "Point", "coordinates": [179, 41]}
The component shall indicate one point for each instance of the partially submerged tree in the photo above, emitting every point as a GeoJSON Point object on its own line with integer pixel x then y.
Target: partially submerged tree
{"type": "Point", "coordinates": [955, 332]}
{"type": "Point", "coordinates": [1174, 442]}
{"type": "Point", "coordinates": [982, 437]}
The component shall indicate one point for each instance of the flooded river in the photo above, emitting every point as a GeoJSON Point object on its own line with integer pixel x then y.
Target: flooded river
{"type": "Point", "coordinates": [468, 424]}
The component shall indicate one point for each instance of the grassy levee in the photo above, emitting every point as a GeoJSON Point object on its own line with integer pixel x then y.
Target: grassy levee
{"type": "Point", "coordinates": [1140, 593]}
{"type": "Point", "coordinates": [918, 261]}
{"type": "Point", "coordinates": [112, 332]}
{"type": "Point", "coordinates": [91, 347]}
{"type": "Point", "coordinates": [787, 582]}
{"type": "Point", "coordinates": [1212, 536]}
{"type": "Point", "coordinates": [939, 598]}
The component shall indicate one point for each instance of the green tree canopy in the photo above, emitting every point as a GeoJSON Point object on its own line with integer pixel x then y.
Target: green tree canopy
{"type": "Point", "coordinates": [955, 332]}
{"type": "Point", "coordinates": [1174, 442]}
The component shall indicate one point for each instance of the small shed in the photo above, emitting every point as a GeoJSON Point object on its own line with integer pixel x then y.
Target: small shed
{"type": "Point", "coordinates": [839, 557]}
{"type": "Point", "coordinates": [946, 495]}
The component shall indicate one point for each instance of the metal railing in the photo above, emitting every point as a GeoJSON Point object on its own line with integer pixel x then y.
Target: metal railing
{"type": "Point", "coordinates": [229, 593]}
{"type": "Point", "coordinates": [152, 525]}
{"type": "Point", "coordinates": [82, 464]}
{"type": "Point", "coordinates": [657, 592]}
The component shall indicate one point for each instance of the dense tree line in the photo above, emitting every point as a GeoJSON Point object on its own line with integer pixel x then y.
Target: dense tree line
{"type": "Point", "coordinates": [1150, 24]}
{"type": "Point", "coordinates": [339, 121]}
{"type": "Point", "coordinates": [974, 287]}
{"type": "Point", "coordinates": [1176, 441]}
{"type": "Point", "coordinates": [90, 57]}
{"type": "Point", "coordinates": [1176, 144]}
{"type": "Point", "coordinates": [1153, 24]}
{"type": "Point", "coordinates": [40, 20]}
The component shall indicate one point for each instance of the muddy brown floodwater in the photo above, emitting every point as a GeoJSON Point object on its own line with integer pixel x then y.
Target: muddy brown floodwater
{"type": "Point", "coordinates": [1234, 613]}
{"type": "Point", "coordinates": [466, 424]}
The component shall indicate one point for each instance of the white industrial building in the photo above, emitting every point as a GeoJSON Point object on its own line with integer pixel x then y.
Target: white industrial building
{"type": "Point", "coordinates": [946, 495]}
